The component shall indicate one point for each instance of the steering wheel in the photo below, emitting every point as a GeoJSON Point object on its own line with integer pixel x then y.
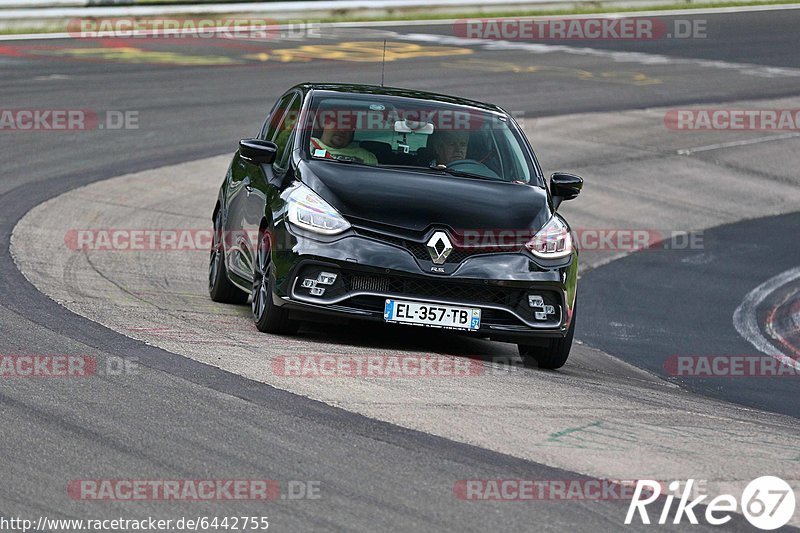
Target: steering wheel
{"type": "Point", "coordinates": [474, 167]}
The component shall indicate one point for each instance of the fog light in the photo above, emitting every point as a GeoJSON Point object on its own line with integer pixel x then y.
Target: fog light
{"type": "Point", "coordinates": [313, 284]}
{"type": "Point", "coordinates": [534, 300]}
{"type": "Point", "coordinates": [541, 310]}
{"type": "Point", "coordinates": [326, 278]}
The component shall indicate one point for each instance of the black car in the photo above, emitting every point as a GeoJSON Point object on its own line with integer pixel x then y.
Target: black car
{"type": "Point", "coordinates": [399, 206]}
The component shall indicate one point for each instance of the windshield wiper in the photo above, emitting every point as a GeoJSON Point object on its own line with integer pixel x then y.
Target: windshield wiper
{"type": "Point", "coordinates": [462, 174]}
{"type": "Point", "coordinates": [444, 170]}
{"type": "Point", "coordinates": [345, 161]}
{"type": "Point", "coordinates": [409, 167]}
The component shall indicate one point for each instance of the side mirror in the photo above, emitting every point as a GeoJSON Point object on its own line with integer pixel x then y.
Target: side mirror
{"type": "Point", "coordinates": [258, 151]}
{"type": "Point", "coordinates": [564, 186]}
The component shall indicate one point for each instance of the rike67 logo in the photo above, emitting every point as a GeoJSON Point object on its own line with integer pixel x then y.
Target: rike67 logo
{"type": "Point", "coordinates": [767, 503]}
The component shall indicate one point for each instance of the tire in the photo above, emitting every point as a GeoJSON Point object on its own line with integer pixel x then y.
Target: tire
{"type": "Point", "coordinates": [220, 287]}
{"type": "Point", "coordinates": [552, 356]}
{"type": "Point", "coordinates": [269, 318]}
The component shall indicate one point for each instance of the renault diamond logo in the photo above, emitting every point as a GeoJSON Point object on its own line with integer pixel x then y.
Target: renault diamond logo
{"type": "Point", "coordinates": [439, 247]}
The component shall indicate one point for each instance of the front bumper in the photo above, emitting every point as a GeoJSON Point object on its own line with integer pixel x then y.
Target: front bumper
{"type": "Point", "coordinates": [369, 271]}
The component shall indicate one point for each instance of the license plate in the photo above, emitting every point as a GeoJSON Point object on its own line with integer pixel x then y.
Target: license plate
{"type": "Point", "coordinates": [432, 315]}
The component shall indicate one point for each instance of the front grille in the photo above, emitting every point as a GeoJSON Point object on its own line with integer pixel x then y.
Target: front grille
{"type": "Point", "coordinates": [437, 289]}
{"type": "Point", "coordinates": [499, 318]}
{"type": "Point", "coordinates": [420, 250]}
{"type": "Point", "coordinates": [369, 284]}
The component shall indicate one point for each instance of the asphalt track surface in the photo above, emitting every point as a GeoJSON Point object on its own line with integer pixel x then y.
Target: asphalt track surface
{"type": "Point", "coordinates": [701, 304]}
{"type": "Point", "coordinates": [181, 419]}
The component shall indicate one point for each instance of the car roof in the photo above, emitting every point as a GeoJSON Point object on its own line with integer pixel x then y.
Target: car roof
{"type": "Point", "coordinates": [352, 88]}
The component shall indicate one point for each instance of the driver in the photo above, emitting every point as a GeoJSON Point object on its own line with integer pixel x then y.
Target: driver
{"type": "Point", "coordinates": [449, 146]}
{"type": "Point", "coordinates": [336, 142]}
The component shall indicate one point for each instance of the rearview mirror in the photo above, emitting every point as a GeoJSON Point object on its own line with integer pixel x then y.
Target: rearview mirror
{"type": "Point", "coordinates": [258, 151]}
{"type": "Point", "coordinates": [564, 186]}
{"type": "Point", "coordinates": [409, 126]}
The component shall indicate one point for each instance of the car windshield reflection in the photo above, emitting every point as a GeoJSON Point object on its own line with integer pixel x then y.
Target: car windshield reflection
{"type": "Point", "coordinates": [396, 132]}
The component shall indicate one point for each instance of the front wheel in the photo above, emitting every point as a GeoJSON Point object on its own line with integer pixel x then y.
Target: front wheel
{"type": "Point", "coordinates": [269, 317]}
{"type": "Point", "coordinates": [552, 356]}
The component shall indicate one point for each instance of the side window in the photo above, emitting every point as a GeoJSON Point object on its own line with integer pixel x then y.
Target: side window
{"type": "Point", "coordinates": [272, 122]}
{"type": "Point", "coordinates": [284, 132]}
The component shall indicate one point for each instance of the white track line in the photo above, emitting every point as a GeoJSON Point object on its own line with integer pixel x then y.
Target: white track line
{"type": "Point", "coordinates": [746, 323]}
{"type": "Point", "coordinates": [439, 22]}
{"type": "Point", "coordinates": [706, 148]}
{"type": "Point", "coordinates": [641, 58]}
{"type": "Point", "coordinates": [295, 8]}
{"type": "Point", "coordinates": [775, 332]}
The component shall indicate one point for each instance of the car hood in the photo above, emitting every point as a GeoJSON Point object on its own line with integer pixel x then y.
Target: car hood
{"type": "Point", "coordinates": [415, 201]}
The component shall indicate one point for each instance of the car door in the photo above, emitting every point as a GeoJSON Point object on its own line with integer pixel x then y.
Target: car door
{"type": "Point", "coordinates": [266, 179]}
{"type": "Point", "coordinates": [246, 181]}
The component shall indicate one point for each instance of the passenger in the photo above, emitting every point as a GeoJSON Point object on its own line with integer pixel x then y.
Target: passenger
{"type": "Point", "coordinates": [335, 143]}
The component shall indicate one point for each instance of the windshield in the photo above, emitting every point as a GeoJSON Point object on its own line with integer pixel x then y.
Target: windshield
{"type": "Point", "coordinates": [390, 131]}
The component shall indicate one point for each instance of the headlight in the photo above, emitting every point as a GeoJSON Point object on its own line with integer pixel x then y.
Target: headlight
{"type": "Point", "coordinates": [553, 241]}
{"type": "Point", "coordinates": [308, 211]}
